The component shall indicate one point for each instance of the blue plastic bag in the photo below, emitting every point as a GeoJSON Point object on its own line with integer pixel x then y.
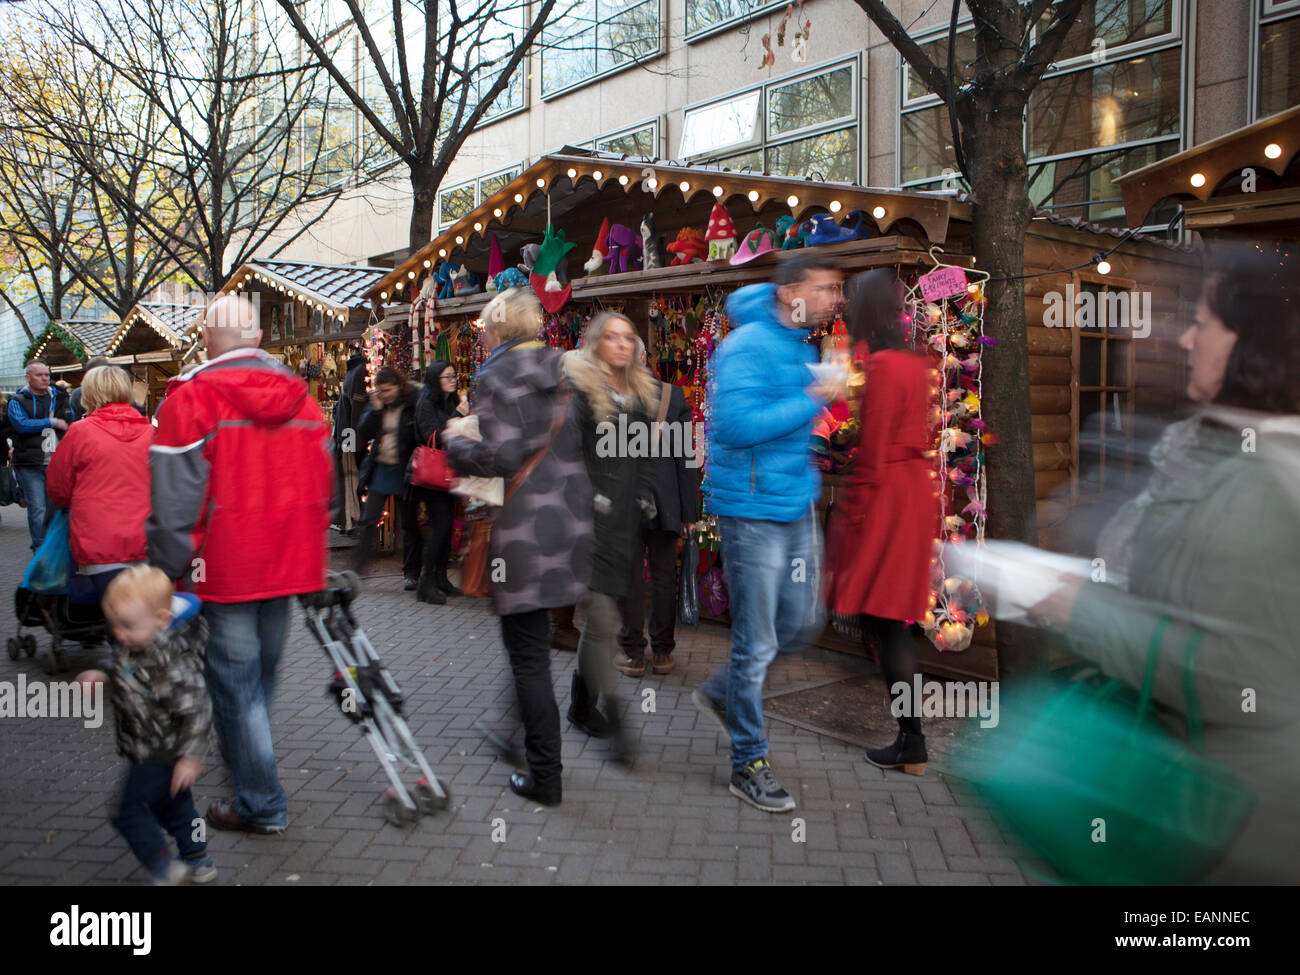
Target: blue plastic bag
{"type": "Point", "coordinates": [51, 567]}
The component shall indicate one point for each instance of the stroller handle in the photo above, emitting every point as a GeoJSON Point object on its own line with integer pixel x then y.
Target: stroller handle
{"type": "Point", "coordinates": [343, 588]}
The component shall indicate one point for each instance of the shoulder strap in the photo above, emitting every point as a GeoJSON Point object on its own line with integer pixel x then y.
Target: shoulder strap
{"type": "Point", "coordinates": [665, 395]}
{"type": "Point", "coordinates": [557, 421]}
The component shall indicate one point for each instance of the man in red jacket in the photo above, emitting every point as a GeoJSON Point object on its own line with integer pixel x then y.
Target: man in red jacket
{"type": "Point", "coordinates": [242, 475]}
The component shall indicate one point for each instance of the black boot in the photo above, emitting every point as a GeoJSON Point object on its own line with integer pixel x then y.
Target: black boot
{"type": "Point", "coordinates": [524, 784]}
{"type": "Point", "coordinates": [620, 745]}
{"type": "Point", "coordinates": [445, 585]}
{"type": "Point", "coordinates": [907, 752]}
{"type": "Point", "coordinates": [582, 709]}
{"type": "Point", "coordinates": [428, 592]}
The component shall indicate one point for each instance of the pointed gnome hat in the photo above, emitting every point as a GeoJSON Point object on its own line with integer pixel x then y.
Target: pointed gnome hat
{"type": "Point", "coordinates": [496, 262]}
{"type": "Point", "coordinates": [600, 249]}
{"type": "Point", "coordinates": [720, 225]}
{"type": "Point", "coordinates": [544, 277]}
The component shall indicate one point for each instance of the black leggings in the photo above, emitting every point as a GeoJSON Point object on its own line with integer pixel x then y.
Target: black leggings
{"type": "Point", "coordinates": [898, 660]}
{"type": "Point", "coordinates": [437, 540]}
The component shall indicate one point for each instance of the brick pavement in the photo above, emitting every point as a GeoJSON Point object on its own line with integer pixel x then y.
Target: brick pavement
{"type": "Point", "coordinates": [668, 821]}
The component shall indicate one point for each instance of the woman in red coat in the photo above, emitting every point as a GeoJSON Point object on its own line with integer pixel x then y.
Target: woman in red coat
{"type": "Point", "coordinates": [100, 473]}
{"type": "Point", "coordinates": [884, 529]}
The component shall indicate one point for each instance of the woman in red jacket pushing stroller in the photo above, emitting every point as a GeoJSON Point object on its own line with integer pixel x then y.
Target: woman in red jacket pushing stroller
{"type": "Point", "coordinates": [100, 473]}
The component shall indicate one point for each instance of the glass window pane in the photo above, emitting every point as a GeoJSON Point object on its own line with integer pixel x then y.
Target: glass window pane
{"type": "Point", "coordinates": [1115, 22]}
{"type": "Point", "coordinates": [455, 203]}
{"type": "Point", "coordinates": [938, 52]}
{"type": "Point", "coordinates": [832, 157]}
{"type": "Point", "coordinates": [1083, 186]}
{"type": "Point", "coordinates": [810, 101]}
{"type": "Point", "coordinates": [703, 14]}
{"type": "Point", "coordinates": [745, 161]}
{"type": "Point", "coordinates": [1105, 106]}
{"type": "Point", "coordinates": [569, 61]}
{"type": "Point", "coordinates": [1279, 66]}
{"type": "Point", "coordinates": [628, 35]}
{"type": "Point", "coordinates": [927, 144]}
{"type": "Point", "coordinates": [490, 184]}
{"type": "Point", "coordinates": [638, 143]}
{"type": "Point", "coordinates": [721, 124]}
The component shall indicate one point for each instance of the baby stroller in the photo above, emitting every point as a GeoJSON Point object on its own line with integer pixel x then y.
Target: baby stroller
{"type": "Point", "coordinates": [64, 616]}
{"type": "Point", "coordinates": [367, 694]}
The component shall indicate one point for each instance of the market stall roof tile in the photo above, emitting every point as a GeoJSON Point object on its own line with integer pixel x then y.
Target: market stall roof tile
{"type": "Point", "coordinates": [175, 323]}
{"type": "Point", "coordinates": [1199, 173]}
{"type": "Point", "coordinates": [558, 184]}
{"type": "Point", "coordinates": [95, 336]}
{"type": "Point", "coordinates": [340, 287]}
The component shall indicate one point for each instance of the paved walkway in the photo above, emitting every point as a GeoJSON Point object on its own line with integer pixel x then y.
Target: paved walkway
{"type": "Point", "coordinates": [670, 820]}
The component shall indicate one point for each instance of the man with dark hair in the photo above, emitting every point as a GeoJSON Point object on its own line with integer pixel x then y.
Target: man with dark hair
{"type": "Point", "coordinates": [764, 490]}
{"type": "Point", "coordinates": [38, 415]}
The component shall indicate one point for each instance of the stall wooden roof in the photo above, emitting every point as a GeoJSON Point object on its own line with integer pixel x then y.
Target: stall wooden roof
{"type": "Point", "coordinates": [173, 324]}
{"type": "Point", "coordinates": [337, 288]}
{"type": "Point", "coordinates": [1205, 177]}
{"type": "Point", "coordinates": [583, 186]}
{"type": "Point", "coordinates": [93, 336]}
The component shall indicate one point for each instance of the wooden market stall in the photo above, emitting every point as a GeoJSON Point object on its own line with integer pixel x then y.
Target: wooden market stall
{"type": "Point", "coordinates": [311, 315]}
{"type": "Point", "coordinates": [151, 344]}
{"type": "Point", "coordinates": [1087, 384]}
{"type": "Point", "coordinates": [67, 346]}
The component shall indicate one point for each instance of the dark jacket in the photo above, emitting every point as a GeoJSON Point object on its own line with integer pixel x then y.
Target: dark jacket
{"type": "Point", "coordinates": [675, 481]}
{"type": "Point", "coordinates": [30, 417]}
{"type": "Point", "coordinates": [433, 408]}
{"type": "Point", "coordinates": [370, 427]}
{"type": "Point", "coordinates": [159, 697]}
{"type": "Point", "coordinates": [352, 403]}
{"type": "Point", "coordinates": [6, 431]}
{"type": "Point", "coordinates": [616, 484]}
{"type": "Point", "coordinates": [543, 533]}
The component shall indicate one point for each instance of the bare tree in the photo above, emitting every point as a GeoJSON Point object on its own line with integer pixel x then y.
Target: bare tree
{"type": "Point", "coordinates": [1015, 42]}
{"type": "Point", "coordinates": [440, 68]}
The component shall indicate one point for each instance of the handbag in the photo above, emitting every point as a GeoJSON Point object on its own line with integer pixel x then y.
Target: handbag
{"type": "Point", "coordinates": [475, 577]}
{"type": "Point", "coordinates": [428, 467]}
{"type": "Point", "coordinates": [50, 569]}
{"type": "Point", "coordinates": [688, 592]}
{"type": "Point", "coordinates": [1064, 766]}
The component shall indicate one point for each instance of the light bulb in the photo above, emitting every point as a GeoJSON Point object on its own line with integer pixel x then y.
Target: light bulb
{"type": "Point", "coordinates": [572, 172]}
{"type": "Point", "coordinates": [428, 263]}
{"type": "Point", "coordinates": [497, 213]}
{"type": "Point", "coordinates": [622, 180]}
{"type": "Point", "coordinates": [1272, 150]}
{"type": "Point", "coordinates": [684, 186]}
{"type": "Point", "coordinates": [597, 175]}
{"type": "Point", "coordinates": [753, 196]}
{"type": "Point", "coordinates": [1103, 267]}
{"type": "Point", "coordinates": [540, 182]}
{"type": "Point", "coordinates": [519, 198]}
{"type": "Point", "coordinates": [878, 213]}
{"type": "Point", "coordinates": [717, 191]}
{"type": "Point", "coordinates": [478, 228]}
{"type": "Point", "coordinates": [1198, 179]}
{"type": "Point", "coordinates": [460, 240]}
{"type": "Point", "coordinates": [442, 252]}
{"type": "Point", "coordinates": [793, 201]}
{"type": "Point", "coordinates": [836, 206]}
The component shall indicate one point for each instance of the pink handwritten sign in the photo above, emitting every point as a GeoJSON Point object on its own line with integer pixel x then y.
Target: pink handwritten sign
{"type": "Point", "coordinates": [943, 282]}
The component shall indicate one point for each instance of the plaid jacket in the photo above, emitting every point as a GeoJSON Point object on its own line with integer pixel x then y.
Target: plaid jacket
{"type": "Point", "coordinates": [159, 694]}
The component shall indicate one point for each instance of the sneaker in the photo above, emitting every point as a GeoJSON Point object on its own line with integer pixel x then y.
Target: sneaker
{"type": "Point", "coordinates": [717, 710]}
{"type": "Point", "coordinates": [756, 784]}
{"type": "Point", "coordinates": [200, 871]}
{"type": "Point", "coordinates": [409, 583]}
{"type": "Point", "coordinates": [631, 666]}
{"type": "Point", "coordinates": [663, 663]}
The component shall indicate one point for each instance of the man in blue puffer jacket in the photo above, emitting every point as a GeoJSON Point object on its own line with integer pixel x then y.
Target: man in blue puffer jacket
{"type": "Point", "coordinates": [763, 488]}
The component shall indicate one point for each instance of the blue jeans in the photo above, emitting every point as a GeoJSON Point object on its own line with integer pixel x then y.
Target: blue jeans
{"type": "Point", "coordinates": [773, 572]}
{"type": "Point", "coordinates": [245, 641]}
{"type": "Point", "coordinates": [147, 802]}
{"type": "Point", "coordinates": [32, 481]}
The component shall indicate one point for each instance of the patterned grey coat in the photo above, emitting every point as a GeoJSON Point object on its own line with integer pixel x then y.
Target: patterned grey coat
{"type": "Point", "coordinates": [543, 534]}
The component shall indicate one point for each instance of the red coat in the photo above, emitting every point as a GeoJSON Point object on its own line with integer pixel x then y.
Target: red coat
{"type": "Point", "coordinates": [100, 473]}
{"type": "Point", "coordinates": [242, 479]}
{"type": "Point", "coordinates": [881, 538]}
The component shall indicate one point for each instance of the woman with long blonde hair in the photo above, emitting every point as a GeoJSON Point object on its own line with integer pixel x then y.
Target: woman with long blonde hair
{"type": "Point", "coordinates": [613, 393]}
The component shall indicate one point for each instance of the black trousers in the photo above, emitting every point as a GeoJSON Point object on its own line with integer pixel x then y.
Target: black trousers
{"type": "Point", "coordinates": [437, 539]}
{"type": "Point", "coordinates": [661, 548]}
{"type": "Point", "coordinates": [527, 637]}
{"type": "Point", "coordinates": [408, 518]}
{"type": "Point", "coordinates": [898, 661]}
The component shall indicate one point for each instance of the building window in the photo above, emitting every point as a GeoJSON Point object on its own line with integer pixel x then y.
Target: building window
{"type": "Point", "coordinates": [1103, 355]}
{"type": "Point", "coordinates": [706, 16]}
{"type": "Point", "coordinates": [457, 202]}
{"type": "Point", "coordinates": [641, 141]}
{"type": "Point", "coordinates": [595, 38]}
{"type": "Point", "coordinates": [801, 126]}
{"type": "Point", "coordinates": [1277, 56]}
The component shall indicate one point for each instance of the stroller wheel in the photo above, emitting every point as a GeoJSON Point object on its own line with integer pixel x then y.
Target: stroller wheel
{"type": "Point", "coordinates": [396, 811]}
{"type": "Point", "coordinates": [29, 644]}
{"type": "Point", "coordinates": [429, 801]}
{"type": "Point", "coordinates": [48, 664]}
{"type": "Point", "coordinates": [14, 646]}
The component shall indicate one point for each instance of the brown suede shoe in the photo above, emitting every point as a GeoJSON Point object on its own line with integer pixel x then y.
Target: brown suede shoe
{"type": "Point", "coordinates": [222, 815]}
{"type": "Point", "coordinates": [663, 663]}
{"type": "Point", "coordinates": [631, 666]}
{"type": "Point", "coordinates": [565, 638]}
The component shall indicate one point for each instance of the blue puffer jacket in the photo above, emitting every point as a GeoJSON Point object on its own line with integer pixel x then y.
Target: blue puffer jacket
{"type": "Point", "coordinates": [759, 463]}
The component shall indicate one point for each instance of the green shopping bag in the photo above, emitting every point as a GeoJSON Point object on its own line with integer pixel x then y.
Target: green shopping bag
{"type": "Point", "coordinates": [1065, 765]}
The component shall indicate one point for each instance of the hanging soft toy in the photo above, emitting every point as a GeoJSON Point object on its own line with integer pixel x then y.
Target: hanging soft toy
{"type": "Point", "coordinates": [496, 264]}
{"type": "Point", "coordinates": [624, 249]}
{"type": "Point", "coordinates": [595, 264]}
{"type": "Point", "coordinates": [721, 234]}
{"type": "Point", "coordinates": [690, 246]}
{"type": "Point", "coordinates": [443, 276]}
{"type": "Point", "coordinates": [652, 245]}
{"type": "Point", "coordinates": [550, 275]}
{"type": "Point", "coordinates": [511, 277]}
{"type": "Point", "coordinates": [464, 282]}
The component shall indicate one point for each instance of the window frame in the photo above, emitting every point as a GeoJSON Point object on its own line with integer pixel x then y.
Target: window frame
{"type": "Point", "coordinates": [762, 142]}
{"type": "Point", "coordinates": [764, 7]}
{"type": "Point", "coordinates": [653, 123]}
{"type": "Point", "coordinates": [477, 183]}
{"type": "Point", "coordinates": [1263, 12]}
{"type": "Point", "coordinates": [661, 48]}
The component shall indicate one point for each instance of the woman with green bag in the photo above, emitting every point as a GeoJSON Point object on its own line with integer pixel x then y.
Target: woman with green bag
{"type": "Point", "coordinates": [1205, 631]}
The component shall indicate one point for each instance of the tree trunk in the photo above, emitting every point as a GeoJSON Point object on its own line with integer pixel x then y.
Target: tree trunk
{"type": "Point", "coordinates": [423, 187]}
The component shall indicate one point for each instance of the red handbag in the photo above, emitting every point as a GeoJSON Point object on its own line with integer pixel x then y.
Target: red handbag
{"type": "Point", "coordinates": [429, 468]}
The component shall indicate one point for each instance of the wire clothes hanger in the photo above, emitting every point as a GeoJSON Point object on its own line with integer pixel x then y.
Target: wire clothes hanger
{"type": "Point", "coordinates": [914, 294]}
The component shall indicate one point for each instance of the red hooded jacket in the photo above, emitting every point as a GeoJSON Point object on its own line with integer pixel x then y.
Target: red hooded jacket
{"type": "Point", "coordinates": [242, 466]}
{"type": "Point", "coordinates": [100, 473]}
